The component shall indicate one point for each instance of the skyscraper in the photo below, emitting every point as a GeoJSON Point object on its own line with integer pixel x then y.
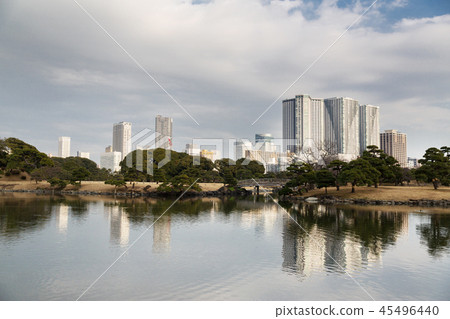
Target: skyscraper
{"type": "Point", "coordinates": [163, 129]}
{"type": "Point", "coordinates": [64, 146]}
{"type": "Point", "coordinates": [303, 123]}
{"type": "Point", "coordinates": [393, 143]}
{"type": "Point", "coordinates": [342, 126]}
{"type": "Point", "coordinates": [338, 125]}
{"type": "Point", "coordinates": [369, 118]}
{"type": "Point", "coordinates": [122, 138]}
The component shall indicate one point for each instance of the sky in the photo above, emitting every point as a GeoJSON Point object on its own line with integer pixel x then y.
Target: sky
{"type": "Point", "coordinates": [75, 67]}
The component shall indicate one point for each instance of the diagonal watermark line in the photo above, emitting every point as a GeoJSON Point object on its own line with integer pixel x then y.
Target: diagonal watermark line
{"type": "Point", "coordinates": [315, 241]}
{"type": "Point", "coordinates": [134, 242]}
{"type": "Point", "coordinates": [315, 61]}
{"type": "Point", "coordinates": [135, 61]}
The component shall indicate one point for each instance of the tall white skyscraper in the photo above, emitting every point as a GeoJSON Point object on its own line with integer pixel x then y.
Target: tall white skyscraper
{"type": "Point", "coordinates": [369, 118]}
{"type": "Point", "coordinates": [163, 129]}
{"type": "Point", "coordinates": [342, 126]}
{"type": "Point", "coordinates": [122, 138]}
{"type": "Point", "coordinates": [303, 123]}
{"type": "Point", "coordinates": [64, 146]}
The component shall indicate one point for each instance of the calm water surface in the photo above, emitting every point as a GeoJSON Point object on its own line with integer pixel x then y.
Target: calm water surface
{"type": "Point", "coordinates": [53, 248]}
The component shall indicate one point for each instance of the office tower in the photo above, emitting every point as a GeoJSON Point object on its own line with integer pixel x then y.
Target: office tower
{"type": "Point", "coordinates": [342, 126]}
{"type": "Point", "coordinates": [163, 129]}
{"type": "Point", "coordinates": [122, 138]}
{"type": "Point", "coordinates": [241, 147]}
{"type": "Point", "coordinates": [83, 154]}
{"type": "Point", "coordinates": [369, 118]}
{"type": "Point", "coordinates": [64, 146]}
{"type": "Point", "coordinates": [264, 142]}
{"type": "Point", "coordinates": [111, 161]}
{"type": "Point", "coordinates": [303, 124]}
{"type": "Point", "coordinates": [393, 143]}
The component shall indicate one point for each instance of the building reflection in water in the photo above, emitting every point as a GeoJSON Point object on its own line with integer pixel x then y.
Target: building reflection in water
{"type": "Point", "coordinates": [161, 235]}
{"type": "Point", "coordinates": [62, 217]}
{"type": "Point", "coordinates": [119, 225]}
{"type": "Point", "coordinates": [260, 215]}
{"type": "Point", "coordinates": [337, 240]}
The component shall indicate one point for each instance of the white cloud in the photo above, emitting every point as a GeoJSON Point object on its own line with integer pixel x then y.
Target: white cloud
{"type": "Point", "coordinates": [227, 60]}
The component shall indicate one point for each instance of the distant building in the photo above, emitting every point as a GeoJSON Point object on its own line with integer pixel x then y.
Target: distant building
{"type": "Point", "coordinates": [64, 147]}
{"type": "Point", "coordinates": [413, 162]}
{"type": "Point", "coordinates": [163, 129]}
{"type": "Point", "coordinates": [111, 161]}
{"type": "Point", "coordinates": [83, 154]}
{"type": "Point", "coordinates": [108, 149]}
{"type": "Point", "coordinates": [211, 155]}
{"type": "Point", "coordinates": [369, 118]}
{"type": "Point", "coordinates": [241, 147]}
{"type": "Point", "coordinates": [192, 149]}
{"type": "Point", "coordinates": [122, 138]}
{"type": "Point", "coordinates": [393, 143]}
{"type": "Point", "coordinates": [264, 142]}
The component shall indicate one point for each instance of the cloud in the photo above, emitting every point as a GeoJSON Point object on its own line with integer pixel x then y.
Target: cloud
{"type": "Point", "coordinates": [224, 60]}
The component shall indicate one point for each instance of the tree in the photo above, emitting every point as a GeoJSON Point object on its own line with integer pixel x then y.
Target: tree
{"type": "Point", "coordinates": [337, 166]}
{"type": "Point", "coordinates": [179, 184]}
{"type": "Point", "coordinates": [57, 183]}
{"type": "Point", "coordinates": [79, 174]}
{"type": "Point", "coordinates": [388, 166]}
{"type": "Point", "coordinates": [435, 167]}
{"type": "Point", "coordinates": [117, 182]}
{"type": "Point", "coordinates": [359, 172]}
{"type": "Point", "coordinates": [324, 178]}
{"type": "Point", "coordinates": [228, 178]}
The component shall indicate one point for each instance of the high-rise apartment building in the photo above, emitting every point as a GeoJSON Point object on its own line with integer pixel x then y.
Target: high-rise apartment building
{"type": "Point", "coordinates": [369, 119]}
{"type": "Point", "coordinates": [303, 123]}
{"type": "Point", "coordinates": [337, 125]}
{"type": "Point", "coordinates": [163, 129]}
{"type": "Point", "coordinates": [64, 146]}
{"type": "Point", "coordinates": [342, 126]}
{"type": "Point", "coordinates": [122, 138]}
{"type": "Point", "coordinates": [393, 143]}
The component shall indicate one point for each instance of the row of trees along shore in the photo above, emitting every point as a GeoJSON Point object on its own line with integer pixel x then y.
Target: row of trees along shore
{"type": "Point", "coordinates": [373, 168]}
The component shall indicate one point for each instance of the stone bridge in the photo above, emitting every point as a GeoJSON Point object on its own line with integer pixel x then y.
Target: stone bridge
{"type": "Point", "coordinates": [263, 182]}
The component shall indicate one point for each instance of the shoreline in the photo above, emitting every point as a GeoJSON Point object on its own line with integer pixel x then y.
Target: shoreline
{"type": "Point", "coordinates": [412, 196]}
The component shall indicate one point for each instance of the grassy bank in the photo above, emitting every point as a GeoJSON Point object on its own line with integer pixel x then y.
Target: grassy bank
{"type": "Point", "coordinates": [387, 193]}
{"type": "Point", "coordinates": [93, 186]}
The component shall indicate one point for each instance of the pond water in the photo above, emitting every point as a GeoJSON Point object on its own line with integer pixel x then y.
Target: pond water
{"type": "Point", "coordinates": [54, 248]}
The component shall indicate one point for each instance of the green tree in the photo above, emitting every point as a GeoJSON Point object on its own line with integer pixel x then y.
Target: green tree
{"type": "Point", "coordinates": [337, 166]}
{"type": "Point", "coordinates": [359, 172]}
{"type": "Point", "coordinates": [79, 174]}
{"type": "Point", "coordinates": [388, 166]}
{"type": "Point", "coordinates": [325, 178]}
{"type": "Point", "coordinates": [435, 167]}
{"type": "Point", "coordinates": [116, 181]}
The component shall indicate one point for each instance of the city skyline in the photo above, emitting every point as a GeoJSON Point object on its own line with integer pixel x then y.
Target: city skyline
{"type": "Point", "coordinates": [53, 86]}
